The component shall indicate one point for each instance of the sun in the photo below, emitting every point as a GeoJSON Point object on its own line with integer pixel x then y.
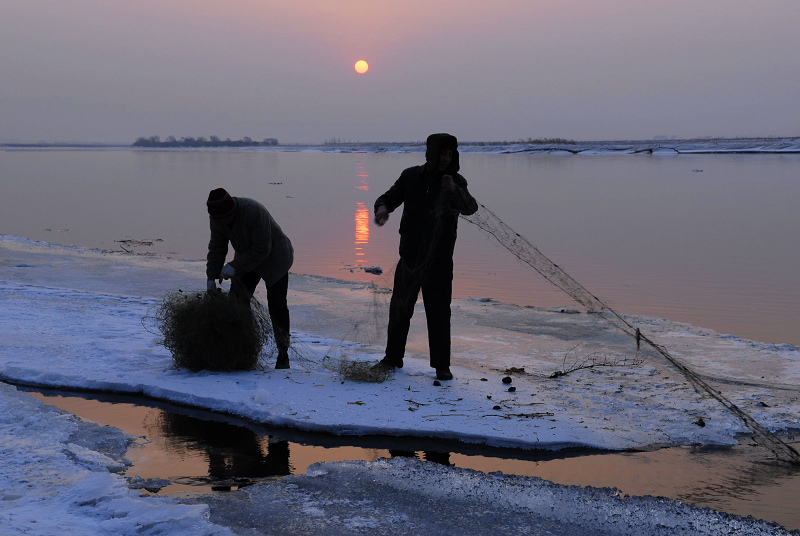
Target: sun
{"type": "Point", "coordinates": [362, 66]}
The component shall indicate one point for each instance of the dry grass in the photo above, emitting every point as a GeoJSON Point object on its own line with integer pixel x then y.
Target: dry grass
{"type": "Point", "coordinates": [362, 371]}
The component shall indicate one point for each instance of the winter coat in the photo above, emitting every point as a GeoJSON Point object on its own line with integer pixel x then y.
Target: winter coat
{"type": "Point", "coordinates": [258, 242]}
{"type": "Point", "coordinates": [430, 214]}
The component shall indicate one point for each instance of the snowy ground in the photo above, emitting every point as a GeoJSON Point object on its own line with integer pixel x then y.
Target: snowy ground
{"type": "Point", "coordinates": [74, 318]}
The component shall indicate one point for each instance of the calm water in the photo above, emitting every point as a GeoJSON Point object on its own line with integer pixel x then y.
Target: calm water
{"type": "Point", "coordinates": [199, 451]}
{"type": "Point", "coordinates": [713, 240]}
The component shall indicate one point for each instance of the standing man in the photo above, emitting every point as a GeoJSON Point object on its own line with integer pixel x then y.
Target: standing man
{"type": "Point", "coordinates": [432, 195]}
{"type": "Point", "coordinates": [261, 251]}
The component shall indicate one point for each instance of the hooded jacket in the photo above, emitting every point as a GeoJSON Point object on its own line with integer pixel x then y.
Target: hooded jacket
{"type": "Point", "coordinates": [430, 214]}
{"type": "Point", "coordinates": [258, 242]}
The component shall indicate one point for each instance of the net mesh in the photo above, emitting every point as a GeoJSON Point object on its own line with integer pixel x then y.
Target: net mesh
{"type": "Point", "coordinates": [520, 247]}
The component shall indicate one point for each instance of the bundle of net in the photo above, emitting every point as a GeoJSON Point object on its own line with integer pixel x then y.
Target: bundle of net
{"type": "Point", "coordinates": [212, 331]}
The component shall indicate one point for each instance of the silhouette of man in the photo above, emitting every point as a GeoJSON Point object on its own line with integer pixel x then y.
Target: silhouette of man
{"type": "Point", "coordinates": [261, 251]}
{"type": "Point", "coordinates": [433, 195]}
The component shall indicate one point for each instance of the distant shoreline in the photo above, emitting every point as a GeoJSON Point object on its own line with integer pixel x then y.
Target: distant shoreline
{"type": "Point", "coordinates": [776, 145]}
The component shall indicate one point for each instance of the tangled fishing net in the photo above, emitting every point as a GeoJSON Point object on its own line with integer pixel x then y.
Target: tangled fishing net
{"type": "Point", "coordinates": [210, 331]}
{"type": "Point", "coordinates": [520, 247]}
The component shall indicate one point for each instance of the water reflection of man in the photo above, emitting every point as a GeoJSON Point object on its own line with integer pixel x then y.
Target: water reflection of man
{"type": "Point", "coordinates": [261, 251]}
{"type": "Point", "coordinates": [234, 452]}
{"type": "Point", "coordinates": [242, 457]}
{"type": "Point", "coordinates": [442, 458]}
{"type": "Point", "coordinates": [432, 195]}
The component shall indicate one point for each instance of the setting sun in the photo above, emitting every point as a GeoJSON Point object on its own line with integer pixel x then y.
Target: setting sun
{"type": "Point", "coordinates": [362, 66]}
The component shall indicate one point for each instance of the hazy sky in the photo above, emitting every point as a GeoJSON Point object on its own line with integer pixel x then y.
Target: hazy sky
{"type": "Point", "coordinates": [115, 70]}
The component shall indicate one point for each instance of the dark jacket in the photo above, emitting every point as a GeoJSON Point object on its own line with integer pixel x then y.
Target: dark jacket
{"type": "Point", "coordinates": [258, 241]}
{"type": "Point", "coordinates": [430, 214]}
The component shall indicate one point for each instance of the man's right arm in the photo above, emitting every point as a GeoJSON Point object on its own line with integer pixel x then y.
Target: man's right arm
{"type": "Point", "coordinates": [389, 201]}
{"type": "Point", "coordinates": [381, 214]}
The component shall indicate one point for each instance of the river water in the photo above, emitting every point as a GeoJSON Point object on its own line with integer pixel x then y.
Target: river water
{"type": "Point", "coordinates": [706, 239]}
{"type": "Point", "coordinates": [713, 239]}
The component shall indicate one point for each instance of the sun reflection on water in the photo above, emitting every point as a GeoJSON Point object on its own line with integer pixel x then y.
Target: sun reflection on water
{"type": "Point", "coordinates": [362, 214]}
{"type": "Point", "coordinates": [362, 230]}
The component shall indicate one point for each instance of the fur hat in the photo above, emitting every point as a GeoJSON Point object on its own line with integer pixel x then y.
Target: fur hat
{"type": "Point", "coordinates": [436, 143]}
{"type": "Point", "coordinates": [220, 204]}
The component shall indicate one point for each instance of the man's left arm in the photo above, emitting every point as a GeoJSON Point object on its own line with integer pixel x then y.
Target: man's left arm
{"type": "Point", "coordinates": [460, 198]}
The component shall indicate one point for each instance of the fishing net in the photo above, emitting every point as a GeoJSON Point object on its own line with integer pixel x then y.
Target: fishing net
{"type": "Point", "coordinates": [520, 247]}
{"type": "Point", "coordinates": [210, 331]}
{"type": "Point", "coordinates": [365, 330]}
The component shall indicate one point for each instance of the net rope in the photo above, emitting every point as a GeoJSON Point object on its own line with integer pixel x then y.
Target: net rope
{"type": "Point", "coordinates": [488, 222]}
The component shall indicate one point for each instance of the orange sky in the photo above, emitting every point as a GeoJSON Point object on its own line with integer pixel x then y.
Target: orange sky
{"type": "Point", "coordinates": [93, 70]}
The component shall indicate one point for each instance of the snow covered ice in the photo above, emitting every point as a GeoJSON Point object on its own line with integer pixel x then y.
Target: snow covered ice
{"type": "Point", "coordinates": [666, 146]}
{"type": "Point", "coordinates": [58, 476]}
{"type": "Point", "coordinates": [73, 318]}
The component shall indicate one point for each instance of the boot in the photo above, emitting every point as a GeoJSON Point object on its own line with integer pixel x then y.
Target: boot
{"type": "Point", "coordinates": [444, 373]}
{"type": "Point", "coordinates": [382, 367]}
{"type": "Point", "coordinates": [283, 359]}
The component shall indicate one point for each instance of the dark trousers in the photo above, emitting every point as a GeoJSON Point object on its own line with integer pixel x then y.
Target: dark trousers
{"type": "Point", "coordinates": [243, 286]}
{"type": "Point", "coordinates": [436, 284]}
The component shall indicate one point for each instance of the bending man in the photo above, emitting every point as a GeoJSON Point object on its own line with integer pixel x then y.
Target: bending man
{"type": "Point", "coordinates": [261, 251]}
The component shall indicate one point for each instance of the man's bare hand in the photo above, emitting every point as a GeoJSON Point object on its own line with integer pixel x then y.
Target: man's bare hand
{"type": "Point", "coordinates": [447, 183]}
{"type": "Point", "coordinates": [381, 215]}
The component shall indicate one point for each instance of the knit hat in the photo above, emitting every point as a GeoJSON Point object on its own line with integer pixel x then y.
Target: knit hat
{"type": "Point", "coordinates": [220, 204]}
{"type": "Point", "coordinates": [436, 143]}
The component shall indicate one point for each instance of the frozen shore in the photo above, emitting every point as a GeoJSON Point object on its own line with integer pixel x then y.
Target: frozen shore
{"type": "Point", "coordinates": [73, 318]}
{"type": "Point", "coordinates": [661, 146]}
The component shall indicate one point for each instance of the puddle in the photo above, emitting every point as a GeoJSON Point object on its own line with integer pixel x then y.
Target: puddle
{"type": "Point", "coordinates": [200, 451]}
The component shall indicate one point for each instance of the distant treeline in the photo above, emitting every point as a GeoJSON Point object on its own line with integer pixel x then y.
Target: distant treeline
{"type": "Point", "coordinates": [211, 141]}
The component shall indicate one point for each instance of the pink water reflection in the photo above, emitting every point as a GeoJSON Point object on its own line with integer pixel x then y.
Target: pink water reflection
{"type": "Point", "coordinates": [362, 214]}
{"type": "Point", "coordinates": [362, 231]}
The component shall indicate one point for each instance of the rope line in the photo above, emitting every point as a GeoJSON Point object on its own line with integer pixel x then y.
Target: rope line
{"type": "Point", "coordinates": [520, 247]}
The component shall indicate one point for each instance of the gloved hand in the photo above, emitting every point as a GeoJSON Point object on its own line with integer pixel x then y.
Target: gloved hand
{"type": "Point", "coordinates": [227, 272]}
{"type": "Point", "coordinates": [211, 286]}
{"type": "Point", "coordinates": [381, 215]}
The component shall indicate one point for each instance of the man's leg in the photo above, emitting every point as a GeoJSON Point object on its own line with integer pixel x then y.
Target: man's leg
{"type": "Point", "coordinates": [243, 286]}
{"type": "Point", "coordinates": [242, 289]}
{"type": "Point", "coordinates": [437, 291]}
{"type": "Point", "coordinates": [279, 315]}
{"type": "Point", "coordinates": [279, 311]}
{"type": "Point", "coordinates": [401, 309]}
